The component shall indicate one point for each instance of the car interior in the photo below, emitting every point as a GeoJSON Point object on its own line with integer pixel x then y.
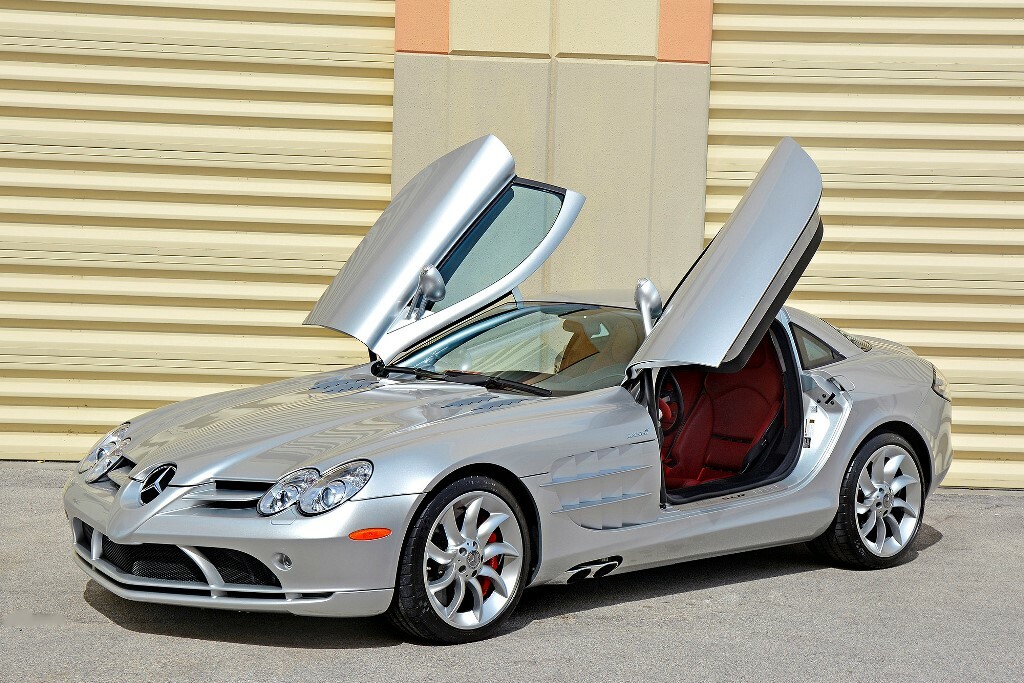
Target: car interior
{"type": "Point", "coordinates": [564, 348]}
{"type": "Point", "coordinates": [725, 431]}
{"type": "Point", "coordinates": [598, 350]}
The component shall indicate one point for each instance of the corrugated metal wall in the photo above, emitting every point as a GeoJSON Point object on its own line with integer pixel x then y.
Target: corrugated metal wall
{"type": "Point", "coordinates": [179, 180]}
{"type": "Point", "coordinates": [914, 110]}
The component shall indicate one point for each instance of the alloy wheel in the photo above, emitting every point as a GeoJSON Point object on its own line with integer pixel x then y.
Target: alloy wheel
{"type": "Point", "coordinates": [473, 560]}
{"type": "Point", "coordinates": [889, 500]}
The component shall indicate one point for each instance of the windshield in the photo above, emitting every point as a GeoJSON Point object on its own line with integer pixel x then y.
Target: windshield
{"type": "Point", "coordinates": [565, 348]}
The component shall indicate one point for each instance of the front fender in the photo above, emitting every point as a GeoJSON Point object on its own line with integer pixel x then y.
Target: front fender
{"type": "Point", "coordinates": [524, 439]}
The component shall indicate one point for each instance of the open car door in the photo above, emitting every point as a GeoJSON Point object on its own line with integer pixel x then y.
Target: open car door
{"type": "Point", "coordinates": [726, 301]}
{"type": "Point", "coordinates": [468, 216]}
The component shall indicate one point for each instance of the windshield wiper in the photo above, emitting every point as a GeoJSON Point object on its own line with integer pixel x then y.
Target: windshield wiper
{"type": "Point", "coordinates": [379, 369]}
{"type": "Point", "coordinates": [492, 382]}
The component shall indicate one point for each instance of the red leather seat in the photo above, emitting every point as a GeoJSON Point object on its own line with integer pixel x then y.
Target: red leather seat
{"type": "Point", "coordinates": [732, 413]}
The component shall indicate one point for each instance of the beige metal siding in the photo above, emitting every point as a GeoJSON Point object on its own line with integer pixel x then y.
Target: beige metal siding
{"type": "Point", "coordinates": [913, 109]}
{"type": "Point", "coordinates": [179, 180]}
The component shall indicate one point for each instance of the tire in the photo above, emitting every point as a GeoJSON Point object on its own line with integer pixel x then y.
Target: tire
{"type": "Point", "coordinates": [489, 558]}
{"type": "Point", "coordinates": [880, 510]}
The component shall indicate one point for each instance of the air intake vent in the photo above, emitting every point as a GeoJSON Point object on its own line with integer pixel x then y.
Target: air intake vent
{"type": "Point", "coordinates": [238, 567]}
{"type": "Point", "coordinates": [221, 575]}
{"type": "Point", "coordinates": [152, 561]}
{"type": "Point", "coordinates": [337, 386]}
{"type": "Point", "coordinates": [171, 563]}
{"type": "Point", "coordinates": [84, 536]}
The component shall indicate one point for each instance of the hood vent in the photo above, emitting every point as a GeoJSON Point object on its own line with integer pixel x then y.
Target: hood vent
{"type": "Point", "coordinates": [500, 404]}
{"type": "Point", "coordinates": [341, 385]}
{"type": "Point", "coordinates": [469, 401]}
{"type": "Point", "coordinates": [480, 403]}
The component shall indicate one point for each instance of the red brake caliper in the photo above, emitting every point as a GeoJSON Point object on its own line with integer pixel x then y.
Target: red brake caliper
{"type": "Point", "coordinates": [485, 583]}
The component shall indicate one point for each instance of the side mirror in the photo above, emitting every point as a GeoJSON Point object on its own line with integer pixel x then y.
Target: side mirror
{"type": "Point", "coordinates": [429, 290]}
{"type": "Point", "coordinates": [648, 302]}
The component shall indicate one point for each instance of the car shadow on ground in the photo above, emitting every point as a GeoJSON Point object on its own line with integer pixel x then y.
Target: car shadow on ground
{"type": "Point", "coordinates": [543, 602]}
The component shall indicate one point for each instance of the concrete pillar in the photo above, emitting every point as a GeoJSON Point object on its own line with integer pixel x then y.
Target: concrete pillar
{"type": "Point", "coordinates": [608, 98]}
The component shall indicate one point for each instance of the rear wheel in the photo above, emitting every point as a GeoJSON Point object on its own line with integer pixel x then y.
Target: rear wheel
{"type": "Point", "coordinates": [464, 563]}
{"type": "Point", "coordinates": [881, 504]}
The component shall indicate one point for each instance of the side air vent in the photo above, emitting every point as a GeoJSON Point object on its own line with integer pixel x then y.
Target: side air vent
{"type": "Point", "coordinates": [341, 385]}
{"type": "Point", "coordinates": [609, 488]}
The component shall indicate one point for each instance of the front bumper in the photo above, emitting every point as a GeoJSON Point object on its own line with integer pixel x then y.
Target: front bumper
{"type": "Point", "coordinates": [338, 604]}
{"type": "Point", "coordinates": [131, 550]}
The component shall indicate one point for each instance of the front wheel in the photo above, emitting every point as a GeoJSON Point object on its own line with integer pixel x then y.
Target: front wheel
{"type": "Point", "coordinates": [464, 563]}
{"type": "Point", "coordinates": [880, 506]}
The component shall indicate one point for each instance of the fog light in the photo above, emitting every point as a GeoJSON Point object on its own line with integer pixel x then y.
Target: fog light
{"type": "Point", "coordinates": [283, 562]}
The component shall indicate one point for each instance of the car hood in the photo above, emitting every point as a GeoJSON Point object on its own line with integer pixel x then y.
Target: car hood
{"type": "Point", "coordinates": [263, 433]}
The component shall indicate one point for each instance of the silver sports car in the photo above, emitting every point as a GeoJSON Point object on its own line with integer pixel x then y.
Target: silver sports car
{"type": "Point", "coordinates": [495, 443]}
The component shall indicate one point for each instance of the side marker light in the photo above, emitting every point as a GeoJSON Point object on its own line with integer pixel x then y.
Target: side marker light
{"type": "Point", "coordinates": [371, 534]}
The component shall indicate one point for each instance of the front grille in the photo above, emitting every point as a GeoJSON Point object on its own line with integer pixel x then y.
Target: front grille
{"type": "Point", "coordinates": [229, 494]}
{"type": "Point", "coordinates": [152, 561]}
{"type": "Point", "coordinates": [238, 567]}
{"type": "Point", "coordinates": [231, 486]}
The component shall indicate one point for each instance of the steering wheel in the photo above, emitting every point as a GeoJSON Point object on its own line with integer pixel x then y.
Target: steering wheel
{"type": "Point", "coordinates": [670, 400]}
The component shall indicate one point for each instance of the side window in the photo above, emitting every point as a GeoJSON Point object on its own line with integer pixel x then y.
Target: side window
{"type": "Point", "coordinates": [507, 233]}
{"type": "Point", "coordinates": [814, 352]}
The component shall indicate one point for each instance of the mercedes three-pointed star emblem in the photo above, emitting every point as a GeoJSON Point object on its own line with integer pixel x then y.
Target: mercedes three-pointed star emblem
{"type": "Point", "coordinates": [158, 480]}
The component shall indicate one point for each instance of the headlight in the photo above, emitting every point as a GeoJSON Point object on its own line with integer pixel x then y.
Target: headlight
{"type": "Point", "coordinates": [940, 385]}
{"type": "Point", "coordinates": [335, 487]}
{"type": "Point", "coordinates": [287, 490]}
{"type": "Point", "coordinates": [104, 455]}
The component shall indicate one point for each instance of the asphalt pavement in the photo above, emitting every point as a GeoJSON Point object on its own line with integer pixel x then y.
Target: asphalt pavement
{"type": "Point", "coordinates": [953, 612]}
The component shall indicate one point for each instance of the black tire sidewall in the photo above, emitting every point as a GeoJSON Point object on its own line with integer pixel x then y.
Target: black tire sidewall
{"type": "Point", "coordinates": [847, 514]}
{"type": "Point", "coordinates": [411, 609]}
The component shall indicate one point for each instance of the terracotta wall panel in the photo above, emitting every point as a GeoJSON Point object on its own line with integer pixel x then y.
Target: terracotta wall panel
{"type": "Point", "coordinates": [421, 26]}
{"type": "Point", "coordinates": [602, 117]}
{"type": "Point", "coordinates": [684, 31]}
